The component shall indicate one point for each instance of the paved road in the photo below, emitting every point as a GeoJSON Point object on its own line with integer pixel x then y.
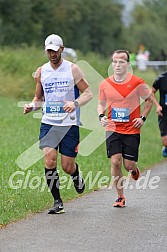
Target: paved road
{"type": "Point", "coordinates": [92, 224]}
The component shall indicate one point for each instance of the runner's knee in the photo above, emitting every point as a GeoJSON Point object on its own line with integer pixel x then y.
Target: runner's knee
{"type": "Point", "coordinates": [50, 161]}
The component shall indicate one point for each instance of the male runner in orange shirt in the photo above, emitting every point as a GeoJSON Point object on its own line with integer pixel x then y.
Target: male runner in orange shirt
{"type": "Point", "coordinates": [120, 94]}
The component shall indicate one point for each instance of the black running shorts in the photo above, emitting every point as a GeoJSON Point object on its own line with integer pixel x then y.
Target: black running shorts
{"type": "Point", "coordinates": [162, 121]}
{"type": "Point", "coordinates": [127, 144]}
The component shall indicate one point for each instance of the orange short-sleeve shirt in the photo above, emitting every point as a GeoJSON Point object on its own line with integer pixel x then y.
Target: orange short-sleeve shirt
{"type": "Point", "coordinates": [123, 102]}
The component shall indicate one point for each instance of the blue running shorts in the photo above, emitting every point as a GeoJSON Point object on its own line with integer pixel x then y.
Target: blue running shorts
{"type": "Point", "coordinates": [64, 138]}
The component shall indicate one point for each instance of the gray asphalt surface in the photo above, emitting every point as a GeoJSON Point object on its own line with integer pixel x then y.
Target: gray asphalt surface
{"type": "Point", "coordinates": [92, 224]}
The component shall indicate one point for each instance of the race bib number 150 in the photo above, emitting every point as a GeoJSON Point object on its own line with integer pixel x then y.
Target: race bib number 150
{"type": "Point", "coordinates": [120, 114]}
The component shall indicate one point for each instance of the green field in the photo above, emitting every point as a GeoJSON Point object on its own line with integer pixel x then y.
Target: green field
{"type": "Point", "coordinates": [23, 192]}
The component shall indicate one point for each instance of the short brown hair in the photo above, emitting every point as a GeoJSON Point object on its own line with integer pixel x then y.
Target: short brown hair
{"type": "Point", "coordinates": [122, 51]}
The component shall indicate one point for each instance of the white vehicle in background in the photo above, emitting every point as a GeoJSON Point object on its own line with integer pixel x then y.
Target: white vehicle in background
{"type": "Point", "coordinates": [69, 54]}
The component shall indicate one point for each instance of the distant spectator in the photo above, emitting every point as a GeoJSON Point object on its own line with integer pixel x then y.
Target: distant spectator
{"type": "Point", "coordinates": [132, 58]}
{"type": "Point", "coordinates": [163, 55]}
{"type": "Point", "coordinates": [141, 61]}
{"type": "Point", "coordinates": [147, 54]}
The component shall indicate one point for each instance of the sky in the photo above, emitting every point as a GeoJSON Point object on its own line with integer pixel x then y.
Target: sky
{"type": "Point", "coordinates": [129, 5]}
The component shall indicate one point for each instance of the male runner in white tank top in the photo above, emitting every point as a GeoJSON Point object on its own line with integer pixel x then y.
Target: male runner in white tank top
{"type": "Point", "coordinates": [58, 87]}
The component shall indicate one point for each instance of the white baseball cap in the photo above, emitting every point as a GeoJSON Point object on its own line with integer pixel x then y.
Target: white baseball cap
{"type": "Point", "coordinates": [53, 42]}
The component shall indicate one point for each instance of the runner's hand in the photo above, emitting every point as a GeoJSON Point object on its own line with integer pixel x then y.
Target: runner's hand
{"type": "Point", "coordinates": [28, 108]}
{"type": "Point", "coordinates": [138, 122]}
{"type": "Point", "coordinates": [69, 106]}
{"type": "Point", "coordinates": [104, 121]}
{"type": "Point", "coordinates": [159, 110]}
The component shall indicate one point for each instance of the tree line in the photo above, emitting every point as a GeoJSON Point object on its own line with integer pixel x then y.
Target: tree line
{"type": "Point", "coordinates": [87, 25]}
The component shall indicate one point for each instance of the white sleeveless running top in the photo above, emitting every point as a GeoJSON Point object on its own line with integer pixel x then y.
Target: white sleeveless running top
{"type": "Point", "coordinates": [59, 86]}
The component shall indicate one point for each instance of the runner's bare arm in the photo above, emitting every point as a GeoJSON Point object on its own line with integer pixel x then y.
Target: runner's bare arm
{"type": "Point", "coordinates": [158, 106]}
{"type": "Point", "coordinates": [147, 106]}
{"type": "Point", "coordinates": [101, 108]}
{"type": "Point", "coordinates": [38, 98]}
{"type": "Point", "coordinates": [83, 86]}
{"type": "Point", "coordinates": [138, 122]}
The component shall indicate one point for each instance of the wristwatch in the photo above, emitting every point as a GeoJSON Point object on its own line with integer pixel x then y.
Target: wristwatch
{"type": "Point", "coordinates": [101, 116]}
{"type": "Point", "coordinates": [76, 104]}
{"type": "Point", "coordinates": [143, 118]}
